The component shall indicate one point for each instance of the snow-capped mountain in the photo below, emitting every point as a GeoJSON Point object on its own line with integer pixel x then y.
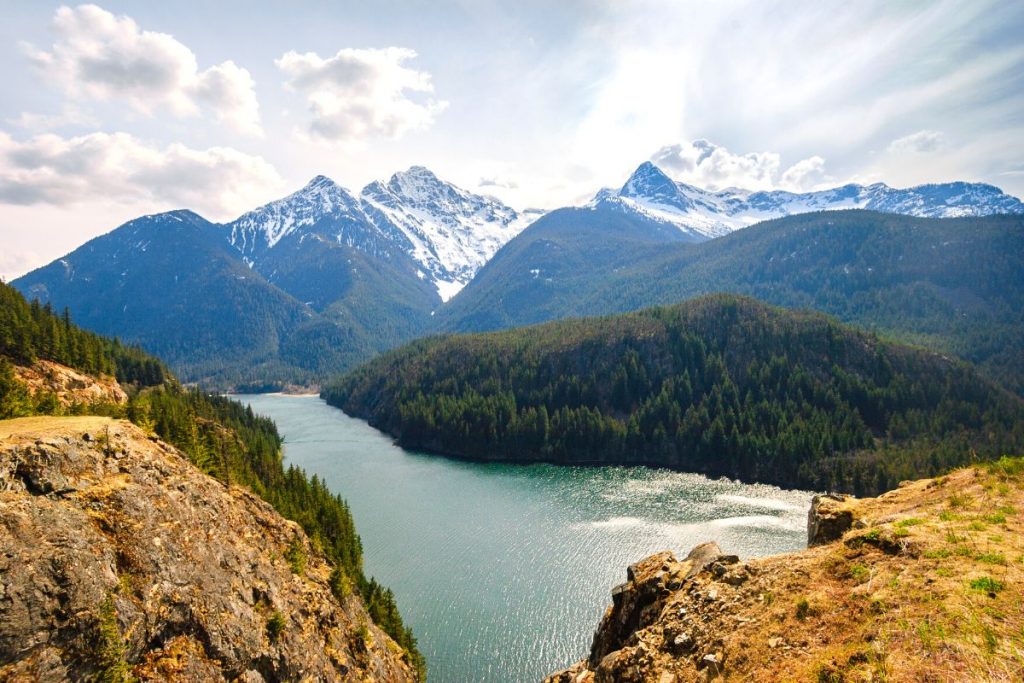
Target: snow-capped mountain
{"type": "Point", "coordinates": [453, 232]}
{"type": "Point", "coordinates": [703, 214]}
{"type": "Point", "coordinates": [322, 208]}
{"type": "Point", "coordinates": [449, 232]}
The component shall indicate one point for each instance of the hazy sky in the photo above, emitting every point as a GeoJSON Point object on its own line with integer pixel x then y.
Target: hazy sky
{"type": "Point", "coordinates": [114, 110]}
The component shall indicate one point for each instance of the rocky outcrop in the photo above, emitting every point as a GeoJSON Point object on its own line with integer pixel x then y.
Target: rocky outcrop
{"type": "Point", "coordinates": [828, 519]}
{"type": "Point", "coordinates": [69, 386]}
{"type": "Point", "coordinates": [121, 560]}
{"type": "Point", "coordinates": [931, 588]}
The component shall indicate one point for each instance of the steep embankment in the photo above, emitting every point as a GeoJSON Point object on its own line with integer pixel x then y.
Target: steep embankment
{"type": "Point", "coordinates": [121, 559]}
{"type": "Point", "coordinates": [59, 486]}
{"type": "Point", "coordinates": [721, 385]}
{"type": "Point", "coordinates": [924, 583]}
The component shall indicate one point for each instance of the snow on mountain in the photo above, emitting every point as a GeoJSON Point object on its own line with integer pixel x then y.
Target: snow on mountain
{"type": "Point", "coordinates": [449, 232]}
{"type": "Point", "coordinates": [703, 214]}
{"type": "Point", "coordinates": [453, 232]}
{"type": "Point", "coordinates": [322, 206]}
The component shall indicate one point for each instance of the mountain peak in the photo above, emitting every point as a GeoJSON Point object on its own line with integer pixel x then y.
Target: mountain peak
{"type": "Point", "coordinates": [406, 182]}
{"type": "Point", "coordinates": [319, 182]}
{"type": "Point", "coordinates": [649, 181]}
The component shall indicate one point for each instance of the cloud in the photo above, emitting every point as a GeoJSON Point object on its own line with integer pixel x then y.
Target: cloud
{"type": "Point", "coordinates": [69, 116]}
{"type": "Point", "coordinates": [50, 169]}
{"type": "Point", "coordinates": [712, 166]}
{"type": "Point", "coordinates": [362, 93]}
{"type": "Point", "coordinates": [100, 56]}
{"type": "Point", "coordinates": [805, 174]}
{"type": "Point", "coordinates": [922, 142]}
{"type": "Point", "coordinates": [498, 182]}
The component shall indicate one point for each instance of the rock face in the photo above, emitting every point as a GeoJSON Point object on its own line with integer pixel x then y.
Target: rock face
{"type": "Point", "coordinates": [923, 583]}
{"type": "Point", "coordinates": [828, 519]}
{"type": "Point", "coordinates": [69, 385]}
{"type": "Point", "coordinates": [120, 559]}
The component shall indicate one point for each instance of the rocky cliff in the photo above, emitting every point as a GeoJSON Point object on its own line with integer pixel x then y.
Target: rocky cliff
{"type": "Point", "coordinates": [69, 386]}
{"type": "Point", "coordinates": [121, 561]}
{"type": "Point", "coordinates": [925, 583]}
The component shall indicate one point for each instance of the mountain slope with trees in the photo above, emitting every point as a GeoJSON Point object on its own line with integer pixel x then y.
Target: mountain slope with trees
{"type": "Point", "coordinates": [954, 285]}
{"type": "Point", "coordinates": [220, 436]}
{"type": "Point", "coordinates": [722, 385]}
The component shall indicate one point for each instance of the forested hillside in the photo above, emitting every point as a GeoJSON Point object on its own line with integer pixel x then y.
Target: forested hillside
{"type": "Point", "coordinates": [954, 285]}
{"type": "Point", "coordinates": [222, 437]}
{"type": "Point", "coordinates": [722, 385]}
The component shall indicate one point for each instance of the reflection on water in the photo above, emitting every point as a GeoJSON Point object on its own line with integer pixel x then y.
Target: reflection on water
{"type": "Point", "coordinates": [504, 570]}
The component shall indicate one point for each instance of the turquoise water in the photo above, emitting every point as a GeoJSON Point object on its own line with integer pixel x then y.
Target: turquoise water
{"type": "Point", "coordinates": [503, 571]}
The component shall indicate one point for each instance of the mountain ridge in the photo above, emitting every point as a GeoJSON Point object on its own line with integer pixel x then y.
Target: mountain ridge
{"type": "Point", "coordinates": [706, 214]}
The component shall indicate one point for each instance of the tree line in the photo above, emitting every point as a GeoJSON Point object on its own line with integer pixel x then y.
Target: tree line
{"type": "Point", "coordinates": [722, 385]}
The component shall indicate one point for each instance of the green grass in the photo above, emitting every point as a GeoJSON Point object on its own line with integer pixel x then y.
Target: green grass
{"type": "Point", "coordinates": [987, 584]}
{"type": "Point", "coordinates": [991, 558]}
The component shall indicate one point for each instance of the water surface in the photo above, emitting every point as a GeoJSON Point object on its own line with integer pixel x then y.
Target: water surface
{"type": "Point", "coordinates": [503, 571]}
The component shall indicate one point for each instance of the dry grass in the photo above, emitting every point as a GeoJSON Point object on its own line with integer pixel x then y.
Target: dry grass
{"type": "Point", "coordinates": [917, 595]}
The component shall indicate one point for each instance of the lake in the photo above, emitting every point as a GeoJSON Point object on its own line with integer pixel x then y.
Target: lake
{"type": "Point", "coordinates": [503, 571]}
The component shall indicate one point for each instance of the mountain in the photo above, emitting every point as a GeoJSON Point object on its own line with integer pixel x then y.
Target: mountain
{"type": "Point", "coordinates": [452, 232]}
{"type": "Point", "coordinates": [914, 279]}
{"type": "Point", "coordinates": [429, 229]}
{"type": "Point", "coordinates": [720, 385]}
{"type": "Point", "coordinates": [305, 285]}
{"type": "Point", "coordinates": [702, 214]}
{"type": "Point", "coordinates": [910, 586]}
{"type": "Point", "coordinates": [172, 284]}
{"type": "Point", "coordinates": [319, 246]}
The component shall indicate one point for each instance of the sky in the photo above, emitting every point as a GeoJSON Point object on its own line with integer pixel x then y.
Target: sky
{"type": "Point", "coordinates": [115, 110]}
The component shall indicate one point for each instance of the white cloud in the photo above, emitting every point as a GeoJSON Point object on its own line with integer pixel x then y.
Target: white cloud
{"type": "Point", "coordinates": [362, 93]}
{"type": "Point", "coordinates": [100, 56]}
{"type": "Point", "coordinates": [806, 174]}
{"type": "Point", "coordinates": [494, 181]}
{"type": "Point", "coordinates": [923, 141]}
{"type": "Point", "coordinates": [99, 167]}
{"type": "Point", "coordinates": [69, 115]}
{"type": "Point", "coordinates": [711, 166]}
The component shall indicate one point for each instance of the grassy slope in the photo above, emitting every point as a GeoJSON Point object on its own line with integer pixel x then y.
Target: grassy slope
{"type": "Point", "coordinates": [929, 588]}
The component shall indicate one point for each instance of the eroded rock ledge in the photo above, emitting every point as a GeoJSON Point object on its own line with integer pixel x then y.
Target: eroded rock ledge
{"type": "Point", "coordinates": [120, 558]}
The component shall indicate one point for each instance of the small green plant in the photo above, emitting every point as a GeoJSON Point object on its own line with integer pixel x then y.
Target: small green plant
{"type": "Point", "coordinates": [977, 525]}
{"type": "Point", "coordinates": [948, 516]}
{"type": "Point", "coordinates": [987, 584]}
{"type": "Point", "coordinates": [859, 573]}
{"type": "Point", "coordinates": [909, 521]}
{"type": "Point", "coordinates": [803, 609]}
{"type": "Point", "coordinates": [991, 558]}
{"type": "Point", "coordinates": [930, 632]}
{"type": "Point", "coordinates": [995, 518]}
{"type": "Point", "coordinates": [341, 584]}
{"type": "Point", "coordinates": [296, 556]}
{"type": "Point", "coordinates": [958, 500]}
{"type": "Point", "coordinates": [938, 553]}
{"type": "Point", "coordinates": [275, 626]}
{"type": "Point", "coordinates": [113, 666]}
